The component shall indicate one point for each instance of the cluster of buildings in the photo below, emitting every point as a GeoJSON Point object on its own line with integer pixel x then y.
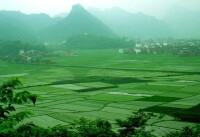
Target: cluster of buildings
{"type": "Point", "coordinates": [26, 57]}
{"type": "Point", "coordinates": [173, 47]}
{"type": "Point", "coordinates": [32, 56]}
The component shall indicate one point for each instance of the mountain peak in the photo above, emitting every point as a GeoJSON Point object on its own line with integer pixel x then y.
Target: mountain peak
{"type": "Point", "coordinates": [77, 7]}
{"type": "Point", "coordinates": [78, 10]}
{"type": "Point", "coordinates": [78, 22]}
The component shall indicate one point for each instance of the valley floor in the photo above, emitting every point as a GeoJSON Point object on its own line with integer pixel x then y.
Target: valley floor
{"type": "Point", "coordinates": [105, 84]}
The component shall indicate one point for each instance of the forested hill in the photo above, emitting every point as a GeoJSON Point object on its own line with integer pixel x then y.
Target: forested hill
{"type": "Point", "coordinates": [78, 22]}
{"type": "Point", "coordinates": [15, 25]}
{"type": "Point", "coordinates": [12, 28]}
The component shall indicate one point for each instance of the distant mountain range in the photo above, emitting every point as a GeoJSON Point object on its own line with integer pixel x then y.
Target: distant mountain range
{"type": "Point", "coordinates": [115, 22]}
{"type": "Point", "coordinates": [133, 25]}
{"type": "Point", "coordinates": [177, 23]}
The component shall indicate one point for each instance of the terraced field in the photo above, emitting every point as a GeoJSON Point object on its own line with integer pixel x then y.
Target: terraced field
{"type": "Point", "coordinates": [111, 86]}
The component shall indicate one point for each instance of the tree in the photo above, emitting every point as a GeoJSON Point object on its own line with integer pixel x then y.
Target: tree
{"type": "Point", "coordinates": [8, 97]}
{"type": "Point", "coordinates": [186, 132]}
{"type": "Point", "coordinates": [135, 124]}
{"type": "Point", "coordinates": [96, 128]}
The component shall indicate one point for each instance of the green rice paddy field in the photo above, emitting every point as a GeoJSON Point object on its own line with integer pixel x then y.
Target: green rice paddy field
{"type": "Point", "coordinates": [106, 84]}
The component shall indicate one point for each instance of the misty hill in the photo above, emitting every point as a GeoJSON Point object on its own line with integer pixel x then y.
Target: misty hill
{"type": "Point", "coordinates": [133, 25]}
{"type": "Point", "coordinates": [178, 23]}
{"type": "Point", "coordinates": [61, 15]}
{"type": "Point", "coordinates": [184, 22]}
{"type": "Point", "coordinates": [34, 21]}
{"type": "Point", "coordinates": [15, 25]}
{"type": "Point", "coordinates": [12, 28]}
{"type": "Point", "coordinates": [78, 22]}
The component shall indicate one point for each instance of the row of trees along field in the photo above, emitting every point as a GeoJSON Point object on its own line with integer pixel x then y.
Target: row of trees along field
{"type": "Point", "coordinates": [13, 47]}
{"type": "Point", "coordinates": [132, 126]}
{"type": "Point", "coordinates": [21, 52]}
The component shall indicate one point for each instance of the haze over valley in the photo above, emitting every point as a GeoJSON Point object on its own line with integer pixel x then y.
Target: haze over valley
{"type": "Point", "coordinates": [97, 68]}
{"type": "Point", "coordinates": [115, 22]}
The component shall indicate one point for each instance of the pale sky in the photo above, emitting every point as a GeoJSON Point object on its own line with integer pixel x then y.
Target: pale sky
{"type": "Point", "coordinates": [156, 8]}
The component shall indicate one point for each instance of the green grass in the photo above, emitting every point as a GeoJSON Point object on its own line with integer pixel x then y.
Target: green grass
{"type": "Point", "coordinates": [44, 121]}
{"type": "Point", "coordinates": [111, 116]}
{"type": "Point", "coordinates": [142, 104]}
{"type": "Point", "coordinates": [95, 84]}
{"type": "Point", "coordinates": [176, 105]}
{"type": "Point", "coordinates": [190, 89]}
{"type": "Point", "coordinates": [113, 98]}
{"type": "Point", "coordinates": [72, 107]}
{"type": "Point", "coordinates": [154, 87]}
{"type": "Point", "coordinates": [177, 94]}
{"type": "Point", "coordinates": [187, 102]}
{"type": "Point", "coordinates": [66, 117]}
{"type": "Point", "coordinates": [99, 73]}
{"type": "Point", "coordinates": [117, 110]}
{"type": "Point", "coordinates": [70, 86]}
{"type": "Point", "coordinates": [133, 91]}
{"type": "Point", "coordinates": [126, 106]}
{"type": "Point", "coordinates": [78, 106]}
{"type": "Point", "coordinates": [159, 99]}
{"type": "Point", "coordinates": [173, 124]}
{"type": "Point", "coordinates": [162, 109]}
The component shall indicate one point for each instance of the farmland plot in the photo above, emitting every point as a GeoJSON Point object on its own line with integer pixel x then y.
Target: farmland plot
{"type": "Point", "coordinates": [111, 89]}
